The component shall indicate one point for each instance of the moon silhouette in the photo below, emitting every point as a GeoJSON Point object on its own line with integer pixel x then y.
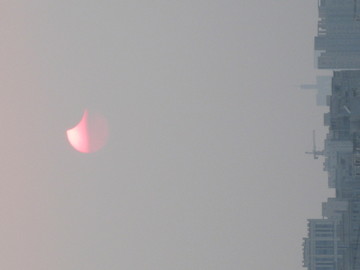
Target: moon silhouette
{"type": "Point", "coordinates": [90, 134]}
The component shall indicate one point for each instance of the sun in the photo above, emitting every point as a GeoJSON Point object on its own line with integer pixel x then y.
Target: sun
{"type": "Point", "coordinates": [90, 134]}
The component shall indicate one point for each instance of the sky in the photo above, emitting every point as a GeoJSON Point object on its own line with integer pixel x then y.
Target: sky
{"type": "Point", "coordinates": [205, 165]}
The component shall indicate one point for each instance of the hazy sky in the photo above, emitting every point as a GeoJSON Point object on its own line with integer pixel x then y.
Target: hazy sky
{"type": "Point", "coordinates": [205, 166]}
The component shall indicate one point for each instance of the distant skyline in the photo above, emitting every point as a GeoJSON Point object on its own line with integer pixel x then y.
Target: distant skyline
{"type": "Point", "coordinates": [332, 241]}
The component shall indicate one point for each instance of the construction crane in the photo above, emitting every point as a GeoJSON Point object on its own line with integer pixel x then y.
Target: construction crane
{"type": "Point", "coordinates": [314, 152]}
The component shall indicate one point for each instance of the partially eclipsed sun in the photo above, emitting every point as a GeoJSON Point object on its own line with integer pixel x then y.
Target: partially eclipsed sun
{"type": "Point", "coordinates": [90, 134]}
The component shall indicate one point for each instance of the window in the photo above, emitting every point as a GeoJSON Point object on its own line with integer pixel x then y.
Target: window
{"type": "Point", "coordinates": [324, 251]}
{"type": "Point", "coordinates": [324, 243]}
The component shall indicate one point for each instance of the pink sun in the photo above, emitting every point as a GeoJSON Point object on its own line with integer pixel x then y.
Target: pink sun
{"type": "Point", "coordinates": [90, 134]}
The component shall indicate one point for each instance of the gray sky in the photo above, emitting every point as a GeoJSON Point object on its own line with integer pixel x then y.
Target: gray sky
{"type": "Point", "coordinates": [205, 166]}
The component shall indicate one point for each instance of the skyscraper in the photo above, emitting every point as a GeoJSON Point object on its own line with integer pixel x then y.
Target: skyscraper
{"type": "Point", "coordinates": [338, 40]}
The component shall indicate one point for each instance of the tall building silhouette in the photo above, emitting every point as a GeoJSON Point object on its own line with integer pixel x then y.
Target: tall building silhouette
{"type": "Point", "coordinates": [337, 43]}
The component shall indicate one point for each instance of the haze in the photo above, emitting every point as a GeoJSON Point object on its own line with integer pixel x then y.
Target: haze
{"type": "Point", "coordinates": [205, 165]}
